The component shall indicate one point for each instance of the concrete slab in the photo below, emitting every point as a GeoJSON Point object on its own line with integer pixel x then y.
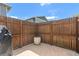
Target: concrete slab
{"type": "Point", "coordinates": [43, 50]}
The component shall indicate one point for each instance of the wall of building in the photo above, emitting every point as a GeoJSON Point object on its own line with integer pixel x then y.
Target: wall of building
{"type": "Point", "coordinates": [3, 11]}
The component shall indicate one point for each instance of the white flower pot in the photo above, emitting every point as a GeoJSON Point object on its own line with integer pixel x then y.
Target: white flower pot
{"type": "Point", "coordinates": [37, 40]}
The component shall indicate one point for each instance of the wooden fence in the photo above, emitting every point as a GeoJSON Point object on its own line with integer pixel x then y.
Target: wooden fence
{"type": "Point", "coordinates": [63, 33]}
{"type": "Point", "coordinates": [60, 33]}
{"type": "Point", "coordinates": [22, 31]}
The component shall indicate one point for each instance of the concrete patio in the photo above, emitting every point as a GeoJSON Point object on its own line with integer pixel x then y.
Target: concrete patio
{"type": "Point", "coordinates": [43, 50]}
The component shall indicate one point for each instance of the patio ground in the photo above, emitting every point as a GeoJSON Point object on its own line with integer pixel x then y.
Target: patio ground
{"type": "Point", "coordinates": [43, 50]}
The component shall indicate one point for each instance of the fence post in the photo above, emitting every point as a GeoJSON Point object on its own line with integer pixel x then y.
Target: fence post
{"type": "Point", "coordinates": [51, 34]}
{"type": "Point", "coordinates": [77, 34]}
{"type": "Point", "coordinates": [21, 43]}
{"type": "Point", "coordinates": [36, 30]}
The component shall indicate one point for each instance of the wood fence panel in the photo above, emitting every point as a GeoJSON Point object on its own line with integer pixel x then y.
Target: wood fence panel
{"type": "Point", "coordinates": [10, 26]}
{"type": "Point", "coordinates": [28, 28]}
{"type": "Point", "coordinates": [24, 40]}
{"type": "Point", "coordinates": [2, 23]}
{"type": "Point", "coordinates": [30, 38]}
{"type": "Point", "coordinates": [62, 33]}
{"type": "Point", "coordinates": [47, 38]}
{"type": "Point", "coordinates": [44, 28]}
{"type": "Point", "coordinates": [73, 38]}
{"type": "Point", "coordinates": [16, 41]}
{"type": "Point", "coordinates": [16, 27]}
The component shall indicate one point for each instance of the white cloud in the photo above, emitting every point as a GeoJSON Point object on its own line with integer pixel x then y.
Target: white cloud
{"type": "Point", "coordinates": [44, 4]}
{"type": "Point", "coordinates": [52, 12]}
{"type": "Point", "coordinates": [51, 17]}
{"type": "Point", "coordinates": [17, 17]}
{"type": "Point", "coordinates": [22, 18]}
{"type": "Point", "coordinates": [14, 17]}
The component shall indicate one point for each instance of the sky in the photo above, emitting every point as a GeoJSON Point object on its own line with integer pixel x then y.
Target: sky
{"type": "Point", "coordinates": [52, 11]}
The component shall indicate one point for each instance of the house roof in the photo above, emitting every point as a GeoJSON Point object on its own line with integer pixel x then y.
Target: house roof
{"type": "Point", "coordinates": [38, 19]}
{"type": "Point", "coordinates": [6, 5]}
